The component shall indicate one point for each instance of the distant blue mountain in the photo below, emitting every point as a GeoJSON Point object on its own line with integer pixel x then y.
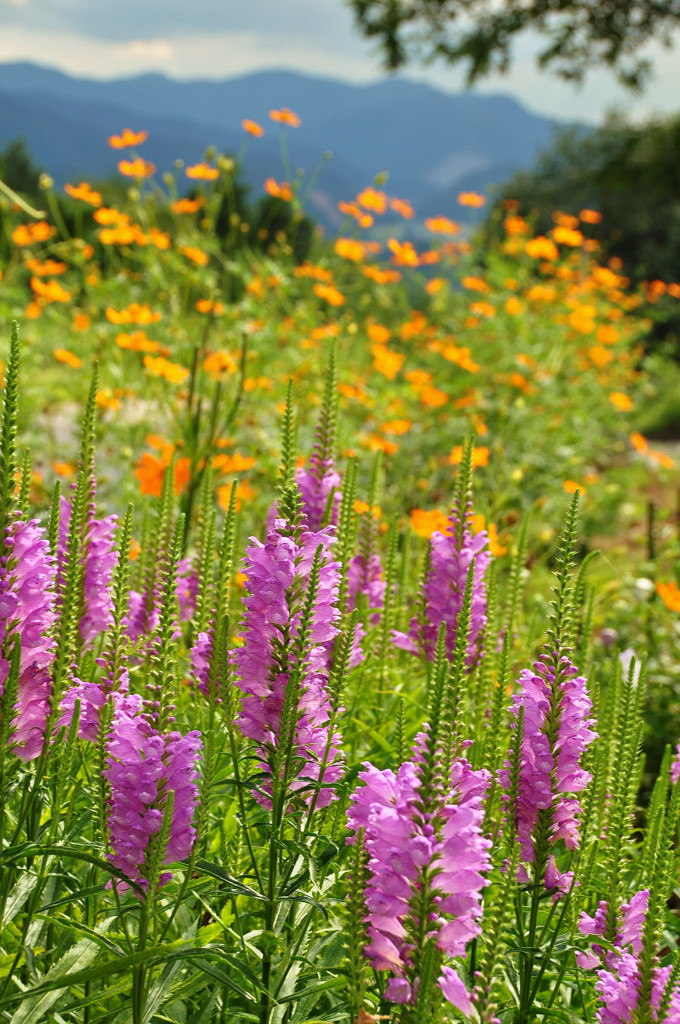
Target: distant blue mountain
{"type": "Point", "coordinates": [432, 144]}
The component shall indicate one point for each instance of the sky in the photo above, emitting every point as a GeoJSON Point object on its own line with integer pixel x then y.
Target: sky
{"type": "Point", "coordinates": [220, 39]}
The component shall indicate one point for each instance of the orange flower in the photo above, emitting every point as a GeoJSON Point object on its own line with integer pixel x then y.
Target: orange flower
{"type": "Point", "coordinates": [50, 291]}
{"type": "Point", "coordinates": [381, 276]}
{"type": "Point", "coordinates": [433, 397]}
{"type": "Point", "coordinates": [252, 127]}
{"type": "Point", "coordinates": [134, 314]}
{"type": "Point", "coordinates": [81, 321]}
{"type": "Point", "coordinates": [372, 199]}
{"type": "Point", "coordinates": [127, 138]}
{"type": "Point", "coordinates": [349, 249]}
{"type": "Point", "coordinates": [235, 463]}
{"type": "Point", "coordinates": [472, 199]}
{"type": "Point", "coordinates": [136, 168]}
{"type": "Point", "coordinates": [480, 457]}
{"type": "Point", "coordinates": [475, 284]}
{"type": "Point", "coordinates": [541, 248]}
{"type": "Point", "coordinates": [84, 193]}
{"type": "Point", "coordinates": [600, 355]}
{"type": "Point", "coordinates": [136, 342]}
{"type": "Point", "coordinates": [567, 236]}
{"type": "Point", "coordinates": [669, 594]}
{"type": "Point", "coordinates": [217, 364]}
{"type": "Point", "coordinates": [435, 285]}
{"type": "Point", "coordinates": [460, 355]}
{"type": "Point", "coordinates": [329, 294]}
{"type": "Point", "coordinates": [161, 239]}
{"type": "Point", "coordinates": [590, 216]}
{"type": "Point", "coordinates": [150, 471]}
{"type": "Point", "coordinates": [495, 547]}
{"type": "Point", "coordinates": [402, 207]}
{"type": "Point", "coordinates": [397, 427]}
{"type": "Point", "coordinates": [209, 306]}
{"type": "Point", "coordinates": [515, 225]}
{"type": "Point", "coordinates": [64, 356]}
{"type": "Point", "coordinates": [403, 253]}
{"type": "Point", "coordinates": [621, 401]}
{"type": "Point", "coordinates": [187, 205]}
{"type": "Point", "coordinates": [202, 172]}
{"type": "Point", "coordinates": [244, 492]}
{"type": "Point", "coordinates": [63, 468]}
{"type": "Point", "coordinates": [442, 226]}
{"type": "Point", "coordinates": [571, 487]}
{"type": "Point", "coordinates": [638, 442]}
{"type": "Point", "coordinates": [196, 256]}
{"type": "Point", "coordinates": [160, 367]}
{"type": "Point", "coordinates": [426, 523]}
{"type": "Point", "coordinates": [39, 231]}
{"type": "Point", "coordinates": [387, 362]}
{"type": "Point", "coordinates": [513, 306]}
{"type": "Point", "coordinates": [107, 216]}
{"type": "Point", "coordinates": [482, 309]}
{"type": "Point", "coordinates": [363, 219]}
{"type": "Point", "coordinates": [377, 333]}
{"type": "Point", "coordinates": [285, 116]}
{"type": "Point", "coordinates": [106, 400]}
{"type": "Point", "coordinates": [282, 191]}
{"type": "Point", "coordinates": [47, 268]}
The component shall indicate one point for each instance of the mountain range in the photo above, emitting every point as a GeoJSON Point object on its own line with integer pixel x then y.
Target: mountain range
{"type": "Point", "coordinates": [432, 144]}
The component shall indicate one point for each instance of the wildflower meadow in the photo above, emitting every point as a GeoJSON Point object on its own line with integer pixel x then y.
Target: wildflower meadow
{"type": "Point", "coordinates": [338, 612]}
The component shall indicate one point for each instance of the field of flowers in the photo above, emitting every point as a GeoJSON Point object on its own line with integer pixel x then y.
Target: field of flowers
{"type": "Point", "coordinates": [338, 615]}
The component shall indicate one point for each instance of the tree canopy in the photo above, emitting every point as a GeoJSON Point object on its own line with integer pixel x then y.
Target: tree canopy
{"type": "Point", "coordinates": [579, 34]}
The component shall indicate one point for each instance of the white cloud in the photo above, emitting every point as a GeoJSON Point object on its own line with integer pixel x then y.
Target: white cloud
{"type": "Point", "coordinates": [147, 49]}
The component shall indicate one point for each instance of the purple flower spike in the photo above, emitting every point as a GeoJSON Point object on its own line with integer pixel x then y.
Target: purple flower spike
{"type": "Point", "coordinates": [404, 845]}
{"type": "Point", "coordinates": [451, 555]}
{"type": "Point", "coordinates": [27, 610]}
{"type": "Point", "coordinates": [277, 576]}
{"type": "Point", "coordinates": [143, 767]}
{"type": "Point", "coordinates": [557, 706]}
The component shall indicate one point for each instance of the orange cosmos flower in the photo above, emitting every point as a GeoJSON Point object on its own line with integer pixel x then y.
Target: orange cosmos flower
{"type": "Point", "coordinates": [621, 401]}
{"type": "Point", "coordinates": [196, 256]}
{"type": "Point", "coordinates": [372, 199]}
{"type": "Point", "coordinates": [435, 285]}
{"type": "Point", "coordinates": [442, 226]}
{"type": "Point", "coordinates": [136, 168]}
{"type": "Point", "coordinates": [64, 356]}
{"type": "Point", "coordinates": [235, 463]}
{"type": "Point", "coordinates": [397, 427]}
{"type": "Point", "coordinates": [136, 342]}
{"type": "Point", "coordinates": [134, 314]}
{"type": "Point", "coordinates": [662, 459]}
{"type": "Point", "coordinates": [381, 276]}
{"type": "Point", "coordinates": [567, 236]}
{"type": "Point", "coordinates": [282, 191]}
{"type": "Point", "coordinates": [426, 523]}
{"type": "Point", "coordinates": [50, 291]}
{"type": "Point", "coordinates": [669, 594]}
{"type": "Point", "coordinates": [127, 138]}
{"type": "Point", "coordinates": [349, 249]}
{"type": "Point", "coordinates": [571, 487]}
{"type": "Point", "coordinates": [475, 284]}
{"type": "Point", "coordinates": [541, 248]}
{"type": "Point", "coordinates": [387, 362]}
{"type": "Point", "coordinates": [150, 471]}
{"type": "Point", "coordinates": [480, 457]}
{"type": "Point", "coordinates": [187, 205]}
{"type": "Point", "coordinates": [208, 306]}
{"type": "Point", "coordinates": [46, 269]}
{"type": "Point", "coordinates": [202, 172]}
{"type": "Point", "coordinates": [217, 364]}
{"type": "Point", "coordinates": [329, 294]}
{"type": "Point", "coordinates": [107, 216]}
{"type": "Point", "coordinates": [590, 216]}
{"type": "Point", "coordinates": [84, 193]}
{"type": "Point", "coordinates": [252, 127]}
{"type": "Point", "coordinates": [377, 333]}
{"type": "Point", "coordinates": [363, 219]}
{"type": "Point", "coordinates": [433, 397]}
{"type": "Point", "coordinates": [638, 442]}
{"type": "Point", "coordinates": [285, 116]}
{"type": "Point", "coordinates": [244, 492]}
{"type": "Point", "coordinates": [81, 321]}
{"type": "Point", "coordinates": [460, 355]}
{"type": "Point", "coordinates": [472, 199]}
{"type": "Point", "coordinates": [39, 231]}
{"type": "Point", "coordinates": [403, 253]}
{"type": "Point", "coordinates": [63, 468]}
{"type": "Point", "coordinates": [160, 367]}
{"type": "Point", "coordinates": [402, 207]}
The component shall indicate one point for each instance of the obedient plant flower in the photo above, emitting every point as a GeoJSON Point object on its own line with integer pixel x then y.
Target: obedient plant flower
{"type": "Point", "coordinates": [143, 767]}
{"type": "Point", "coordinates": [99, 558]}
{"type": "Point", "coordinates": [27, 611]}
{"type": "Point", "coordinates": [421, 865]}
{"type": "Point", "coordinates": [556, 731]}
{"type": "Point", "coordinates": [278, 577]}
{"type": "Point", "coordinates": [319, 483]}
{"type": "Point", "coordinates": [451, 555]}
{"type": "Point", "coordinates": [144, 609]}
{"type": "Point", "coordinates": [618, 970]}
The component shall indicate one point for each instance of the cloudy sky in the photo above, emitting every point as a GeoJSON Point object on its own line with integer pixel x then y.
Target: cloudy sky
{"type": "Point", "coordinates": [226, 38]}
